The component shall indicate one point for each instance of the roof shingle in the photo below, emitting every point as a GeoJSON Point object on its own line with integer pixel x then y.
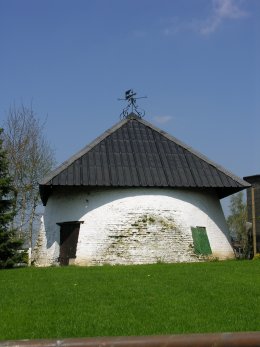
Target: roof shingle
{"type": "Point", "coordinates": [134, 153]}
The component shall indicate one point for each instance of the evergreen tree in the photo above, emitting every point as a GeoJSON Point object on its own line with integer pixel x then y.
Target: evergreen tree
{"type": "Point", "coordinates": [9, 244]}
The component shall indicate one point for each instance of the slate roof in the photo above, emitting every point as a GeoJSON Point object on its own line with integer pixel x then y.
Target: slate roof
{"type": "Point", "coordinates": [134, 153]}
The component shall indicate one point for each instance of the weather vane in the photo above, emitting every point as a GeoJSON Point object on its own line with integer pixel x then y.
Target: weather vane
{"type": "Point", "coordinates": [132, 107]}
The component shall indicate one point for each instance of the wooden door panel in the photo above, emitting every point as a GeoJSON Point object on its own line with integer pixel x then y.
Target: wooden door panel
{"type": "Point", "coordinates": [69, 233]}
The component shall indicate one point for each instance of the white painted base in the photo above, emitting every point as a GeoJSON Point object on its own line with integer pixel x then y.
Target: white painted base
{"type": "Point", "coordinates": [133, 226]}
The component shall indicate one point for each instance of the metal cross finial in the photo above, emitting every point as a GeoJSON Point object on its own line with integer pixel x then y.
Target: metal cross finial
{"type": "Point", "coordinates": [131, 99]}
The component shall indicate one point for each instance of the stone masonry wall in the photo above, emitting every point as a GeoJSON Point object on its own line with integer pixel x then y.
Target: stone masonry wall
{"type": "Point", "coordinates": [134, 226]}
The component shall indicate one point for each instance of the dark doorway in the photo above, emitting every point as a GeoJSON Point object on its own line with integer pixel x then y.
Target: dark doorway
{"type": "Point", "coordinates": [69, 233]}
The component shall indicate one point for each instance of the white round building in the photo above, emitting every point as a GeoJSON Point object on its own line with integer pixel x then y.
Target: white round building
{"type": "Point", "coordinates": [135, 195]}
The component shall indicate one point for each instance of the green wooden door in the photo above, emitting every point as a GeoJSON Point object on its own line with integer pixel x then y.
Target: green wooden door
{"type": "Point", "coordinates": [201, 241]}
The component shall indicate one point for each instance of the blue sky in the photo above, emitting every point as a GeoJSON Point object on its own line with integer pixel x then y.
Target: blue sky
{"type": "Point", "coordinates": [198, 62]}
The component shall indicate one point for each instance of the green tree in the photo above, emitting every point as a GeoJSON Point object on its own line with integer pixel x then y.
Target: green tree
{"type": "Point", "coordinates": [237, 221]}
{"type": "Point", "coordinates": [9, 244]}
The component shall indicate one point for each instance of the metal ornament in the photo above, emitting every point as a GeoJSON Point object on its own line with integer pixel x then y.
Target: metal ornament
{"type": "Point", "coordinates": [132, 107]}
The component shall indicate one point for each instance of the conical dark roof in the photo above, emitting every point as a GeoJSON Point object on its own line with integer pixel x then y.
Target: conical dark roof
{"type": "Point", "coordinates": [134, 153]}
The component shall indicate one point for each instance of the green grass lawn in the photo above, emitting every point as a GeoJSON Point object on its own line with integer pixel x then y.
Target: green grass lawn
{"type": "Point", "coordinates": [129, 300]}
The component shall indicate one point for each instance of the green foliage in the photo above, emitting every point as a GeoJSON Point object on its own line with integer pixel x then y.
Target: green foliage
{"type": "Point", "coordinates": [154, 299]}
{"type": "Point", "coordinates": [238, 213]}
{"type": "Point", "coordinates": [237, 220]}
{"type": "Point", "coordinates": [9, 244]}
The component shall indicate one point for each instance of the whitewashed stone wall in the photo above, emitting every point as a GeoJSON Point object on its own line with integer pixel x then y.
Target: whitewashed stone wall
{"type": "Point", "coordinates": [133, 226]}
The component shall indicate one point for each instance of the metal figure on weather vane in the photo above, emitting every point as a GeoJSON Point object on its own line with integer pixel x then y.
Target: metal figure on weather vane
{"type": "Point", "coordinates": [132, 107]}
